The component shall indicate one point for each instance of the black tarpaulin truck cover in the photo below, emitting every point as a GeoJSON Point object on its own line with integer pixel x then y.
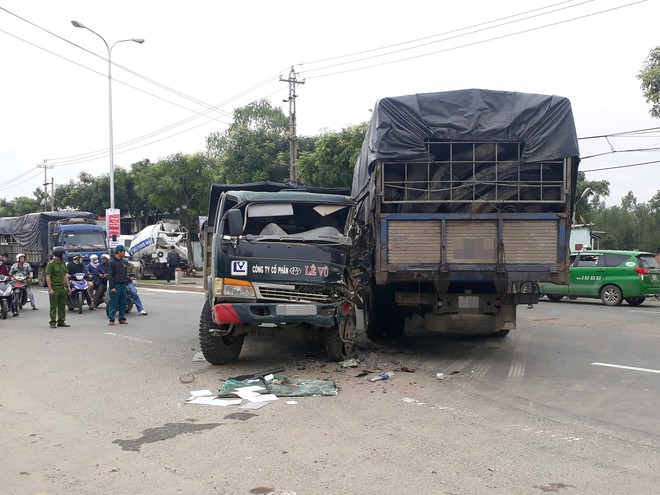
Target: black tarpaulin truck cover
{"type": "Point", "coordinates": [31, 230]}
{"type": "Point", "coordinates": [401, 125]}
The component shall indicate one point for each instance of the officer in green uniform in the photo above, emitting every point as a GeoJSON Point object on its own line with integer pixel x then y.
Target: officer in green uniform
{"type": "Point", "coordinates": [57, 280]}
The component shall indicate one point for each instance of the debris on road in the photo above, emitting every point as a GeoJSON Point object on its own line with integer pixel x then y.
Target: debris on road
{"type": "Point", "coordinates": [406, 369]}
{"type": "Point", "coordinates": [371, 364]}
{"type": "Point", "coordinates": [350, 363]}
{"type": "Point", "coordinates": [382, 376]}
{"type": "Point", "coordinates": [440, 376]}
{"type": "Point", "coordinates": [187, 378]}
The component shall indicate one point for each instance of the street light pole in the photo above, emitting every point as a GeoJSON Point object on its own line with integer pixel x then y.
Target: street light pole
{"type": "Point", "coordinates": [112, 152]}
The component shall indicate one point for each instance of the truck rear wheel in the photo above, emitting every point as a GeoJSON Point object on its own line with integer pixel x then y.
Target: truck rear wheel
{"type": "Point", "coordinates": [217, 349]}
{"type": "Point", "coordinates": [340, 340]}
{"type": "Point", "coordinates": [382, 317]}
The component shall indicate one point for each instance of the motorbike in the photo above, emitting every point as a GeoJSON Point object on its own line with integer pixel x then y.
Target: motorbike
{"type": "Point", "coordinates": [77, 297]}
{"type": "Point", "coordinates": [6, 295]}
{"type": "Point", "coordinates": [20, 284]}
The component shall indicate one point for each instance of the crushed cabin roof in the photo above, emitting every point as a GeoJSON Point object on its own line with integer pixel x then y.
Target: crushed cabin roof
{"type": "Point", "coordinates": [266, 186]}
{"type": "Point", "coordinates": [289, 196]}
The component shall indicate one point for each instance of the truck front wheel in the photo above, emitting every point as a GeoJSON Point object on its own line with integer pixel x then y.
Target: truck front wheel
{"type": "Point", "coordinates": [217, 349]}
{"type": "Point", "coordinates": [340, 340]}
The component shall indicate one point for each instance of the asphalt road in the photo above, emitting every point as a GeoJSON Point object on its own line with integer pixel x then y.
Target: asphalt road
{"type": "Point", "coordinates": [99, 409]}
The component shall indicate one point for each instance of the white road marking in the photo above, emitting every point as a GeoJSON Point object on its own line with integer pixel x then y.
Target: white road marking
{"type": "Point", "coordinates": [128, 337]}
{"type": "Point", "coordinates": [633, 368]}
{"type": "Point", "coordinates": [641, 311]}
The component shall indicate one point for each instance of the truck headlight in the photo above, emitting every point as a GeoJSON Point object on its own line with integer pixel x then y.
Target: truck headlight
{"type": "Point", "coordinates": [233, 288]}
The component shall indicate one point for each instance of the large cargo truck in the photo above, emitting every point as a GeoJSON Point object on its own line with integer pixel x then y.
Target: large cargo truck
{"type": "Point", "coordinates": [464, 201]}
{"type": "Point", "coordinates": [36, 234]}
{"type": "Point", "coordinates": [275, 258]}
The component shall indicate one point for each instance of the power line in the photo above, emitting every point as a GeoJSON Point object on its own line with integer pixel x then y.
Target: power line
{"type": "Point", "coordinates": [430, 36]}
{"type": "Point", "coordinates": [474, 43]}
{"type": "Point", "coordinates": [620, 166]}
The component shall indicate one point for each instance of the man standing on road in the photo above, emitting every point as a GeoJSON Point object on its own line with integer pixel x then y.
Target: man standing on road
{"type": "Point", "coordinates": [173, 260]}
{"type": "Point", "coordinates": [117, 276]}
{"type": "Point", "coordinates": [57, 281]}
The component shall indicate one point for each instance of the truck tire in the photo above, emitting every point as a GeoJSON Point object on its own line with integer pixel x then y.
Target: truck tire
{"type": "Point", "coordinates": [382, 317]}
{"type": "Point", "coordinates": [635, 301]}
{"type": "Point", "coordinates": [501, 333]}
{"type": "Point", "coordinates": [217, 349]}
{"type": "Point", "coordinates": [373, 315]}
{"type": "Point", "coordinates": [339, 341]}
{"type": "Point", "coordinates": [611, 295]}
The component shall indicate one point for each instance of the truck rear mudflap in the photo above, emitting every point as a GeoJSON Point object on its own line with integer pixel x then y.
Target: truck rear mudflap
{"type": "Point", "coordinates": [320, 315]}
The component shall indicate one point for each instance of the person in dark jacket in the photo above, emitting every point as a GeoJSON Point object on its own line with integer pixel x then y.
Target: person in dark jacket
{"type": "Point", "coordinates": [117, 276]}
{"type": "Point", "coordinates": [100, 274]}
{"type": "Point", "coordinates": [173, 260]}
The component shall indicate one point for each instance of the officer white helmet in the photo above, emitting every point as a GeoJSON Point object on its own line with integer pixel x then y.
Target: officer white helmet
{"type": "Point", "coordinates": [105, 256]}
{"type": "Point", "coordinates": [94, 257]}
{"type": "Point", "coordinates": [19, 256]}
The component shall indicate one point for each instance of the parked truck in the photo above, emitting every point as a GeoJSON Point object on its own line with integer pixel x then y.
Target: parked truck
{"type": "Point", "coordinates": [275, 257]}
{"type": "Point", "coordinates": [148, 248]}
{"type": "Point", "coordinates": [36, 234]}
{"type": "Point", "coordinates": [464, 201]}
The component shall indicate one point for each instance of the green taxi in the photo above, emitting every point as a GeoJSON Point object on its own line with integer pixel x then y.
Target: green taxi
{"type": "Point", "coordinates": [612, 276]}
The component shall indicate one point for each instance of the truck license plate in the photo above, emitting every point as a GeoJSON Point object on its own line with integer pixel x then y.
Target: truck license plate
{"type": "Point", "coordinates": [295, 310]}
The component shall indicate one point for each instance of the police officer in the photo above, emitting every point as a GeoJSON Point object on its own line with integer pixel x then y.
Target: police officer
{"type": "Point", "coordinates": [57, 281]}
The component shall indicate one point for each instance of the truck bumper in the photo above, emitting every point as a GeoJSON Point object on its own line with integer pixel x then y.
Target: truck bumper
{"type": "Point", "coordinates": [321, 315]}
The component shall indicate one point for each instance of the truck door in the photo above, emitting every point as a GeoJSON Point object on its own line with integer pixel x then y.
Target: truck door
{"type": "Point", "coordinates": [587, 274]}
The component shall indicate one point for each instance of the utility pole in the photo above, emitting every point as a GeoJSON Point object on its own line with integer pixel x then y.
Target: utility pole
{"type": "Point", "coordinates": [45, 166]}
{"type": "Point", "coordinates": [293, 139]}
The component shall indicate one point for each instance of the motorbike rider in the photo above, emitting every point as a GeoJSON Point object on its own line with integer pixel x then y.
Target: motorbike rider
{"type": "Point", "coordinates": [57, 280]}
{"type": "Point", "coordinates": [23, 267]}
{"type": "Point", "coordinates": [77, 266]}
{"type": "Point", "coordinates": [4, 269]}
{"type": "Point", "coordinates": [100, 274]}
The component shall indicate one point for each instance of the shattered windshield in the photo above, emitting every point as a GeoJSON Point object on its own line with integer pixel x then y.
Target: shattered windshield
{"type": "Point", "coordinates": [305, 222]}
{"type": "Point", "coordinates": [82, 240]}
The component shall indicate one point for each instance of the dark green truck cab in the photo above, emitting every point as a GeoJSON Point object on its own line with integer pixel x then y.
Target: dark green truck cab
{"type": "Point", "coordinates": [275, 257]}
{"type": "Point", "coordinates": [613, 276]}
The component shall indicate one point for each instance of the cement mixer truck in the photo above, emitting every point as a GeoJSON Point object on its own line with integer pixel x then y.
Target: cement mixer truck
{"type": "Point", "coordinates": [148, 249]}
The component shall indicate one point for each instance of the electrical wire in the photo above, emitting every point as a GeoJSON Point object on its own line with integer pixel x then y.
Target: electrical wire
{"type": "Point", "coordinates": [5, 186]}
{"type": "Point", "coordinates": [620, 166]}
{"type": "Point", "coordinates": [474, 43]}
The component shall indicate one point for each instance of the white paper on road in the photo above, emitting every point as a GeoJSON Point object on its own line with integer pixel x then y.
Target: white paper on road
{"type": "Point", "coordinates": [198, 357]}
{"type": "Point", "coordinates": [200, 393]}
{"type": "Point", "coordinates": [214, 401]}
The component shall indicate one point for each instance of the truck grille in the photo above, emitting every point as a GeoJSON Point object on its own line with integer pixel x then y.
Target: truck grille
{"type": "Point", "coordinates": [294, 293]}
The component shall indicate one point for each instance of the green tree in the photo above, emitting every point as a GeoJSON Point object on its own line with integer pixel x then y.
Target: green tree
{"type": "Point", "coordinates": [179, 185]}
{"type": "Point", "coordinates": [331, 162]}
{"type": "Point", "coordinates": [255, 147]}
{"type": "Point", "coordinates": [650, 77]}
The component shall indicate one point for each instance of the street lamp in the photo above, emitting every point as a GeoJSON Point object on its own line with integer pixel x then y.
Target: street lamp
{"type": "Point", "coordinates": [112, 154]}
{"type": "Point", "coordinates": [587, 192]}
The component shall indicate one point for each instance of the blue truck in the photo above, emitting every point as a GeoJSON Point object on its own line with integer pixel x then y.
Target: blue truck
{"type": "Point", "coordinates": [36, 234]}
{"type": "Point", "coordinates": [464, 200]}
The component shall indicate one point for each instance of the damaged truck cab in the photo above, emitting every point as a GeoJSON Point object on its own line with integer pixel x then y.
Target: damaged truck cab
{"type": "Point", "coordinates": [275, 256]}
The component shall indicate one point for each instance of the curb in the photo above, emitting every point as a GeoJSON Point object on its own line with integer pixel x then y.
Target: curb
{"type": "Point", "coordinates": [191, 287]}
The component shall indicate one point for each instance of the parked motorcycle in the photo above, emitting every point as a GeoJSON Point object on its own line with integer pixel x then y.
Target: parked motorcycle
{"type": "Point", "coordinates": [79, 286]}
{"type": "Point", "coordinates": [20, 284]}
{"type": "Point", "coordinates": [6, 295]}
